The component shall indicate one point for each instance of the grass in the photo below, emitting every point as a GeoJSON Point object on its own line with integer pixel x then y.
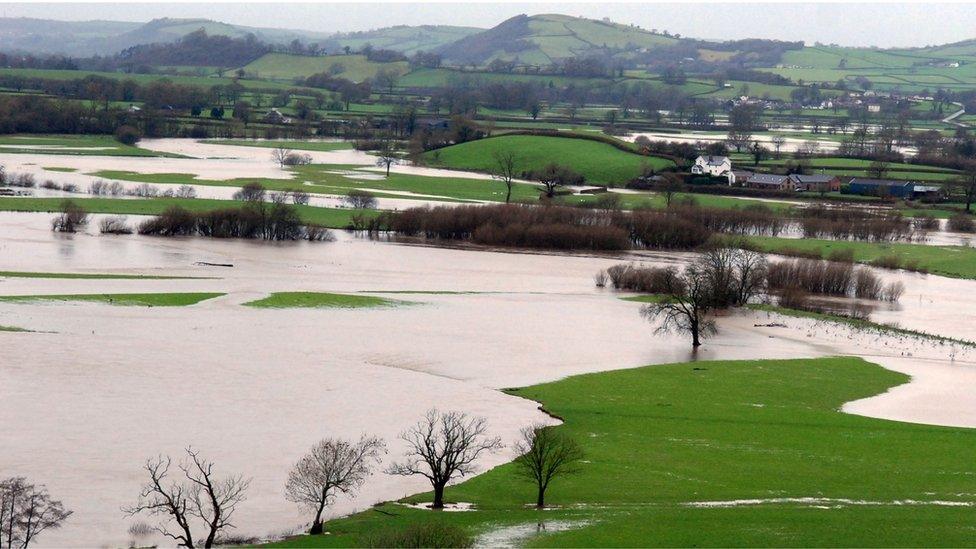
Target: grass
{"type": "Point", "coordinates": [288, 300]}
{"type": "Point", "coordinates": [128, 300]}
{"type": "Point", "coordinates": [59, 169]}
{"type": "Point", "coordinates": [951, 261]}
{"type": "Point", "coordinates": [92, 145]}
{"type": "Point", "coordinates": [288, 144]}
{"type": "Point", "coordinates": [13, 329]}
{"type": "Point", "coordinates": [36, 274]}
{"type": "Point", "coordinates": [284, 66]}
{"type": "Point", "coordinates": [857, 323]}
{"type": "Point", "coordinates": [659, 438]}
{"type": "Point", "coordinates": [326, 217]}
{"type": "Point", "coordinates": [599, 162]}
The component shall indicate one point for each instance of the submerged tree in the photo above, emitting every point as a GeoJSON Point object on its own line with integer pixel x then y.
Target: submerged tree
{"type": "Point", "coordinates": [331, 467]}
{"type": "Point", "coordinates": [685, 303]}
{"type": "Point", "coordinates": [198, 500]}
{"type": "Point", "coordinates": [543, 454]}
{"type": "Point", "coordinates": [442, 446]}
{"type": "Point", "coordinates": [26, 511]}
{"type": "Point", "coordinates": [387, 157]}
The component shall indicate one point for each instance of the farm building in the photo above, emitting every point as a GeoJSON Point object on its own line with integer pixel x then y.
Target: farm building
{"type": "Point", "coordinates": [770, 182]}
{"type": "Point", "coordinates": [739, 177]}
{"type": "Point", "coordinates": [715, 166]}
{"type": "Point", "coordinates": [890, 187]}
{"type": "Point", "coordinates": [816, 182]}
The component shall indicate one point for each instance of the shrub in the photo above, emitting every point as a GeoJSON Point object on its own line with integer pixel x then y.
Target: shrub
{"type": "Point", "coordinates": [318, 233]}
{"type": "Point", "coordinates": [25, 180]}
{"type": "Point", "coordinates": [360, 199]}
{"type": "Point", "coordinates": [887, 262]}
{"type": "Point", "coordinates": [600, 279]}
{"type": "Point", "coordinates": [650, 280]}
{"type": "Point", "coordinates": [69, 188]}
{"type": "Point", "coordinates": [72, 217]}
{"type": "Point", "coordinates": [127, 135]}
{"type": "Point", "coordinates": [145, 190]}
{"type": "Point", "coordinates": [299, 197]}
{"type": "Point", "coordinates": [297, 159]}
{"type": "Point", "coordinates": [251, 192]}
{"type": "Point", "coordinates": [186, 191]}
{"type": "Point", "coordinates": [115, 224]}
{"type": "Point", "coordinates": [174, 221]}
{"type": "Point", "coordinates": [962, 223]}
{"type": "Point", "coordinates": [893, 291]}
{"type": "Point", "coordinates": [50, 185]}
{"type": "Point", "coordinates": [421, 535]}
{"type": "Point", "coordinates": [925, 223]}
{"type": "Point", "coordinates": [867, 285]}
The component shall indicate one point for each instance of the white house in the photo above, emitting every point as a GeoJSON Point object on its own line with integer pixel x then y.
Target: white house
{"type": "Point", "coordinates": [715, 166]}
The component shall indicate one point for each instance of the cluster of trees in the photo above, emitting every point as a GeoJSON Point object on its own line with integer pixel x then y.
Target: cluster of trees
{"type": "Point", "coordinates": [196, 48]}
{"type": "Point", "coordinates": [441, 447]}
{"type": "Point", "coordinates": [26, 511]}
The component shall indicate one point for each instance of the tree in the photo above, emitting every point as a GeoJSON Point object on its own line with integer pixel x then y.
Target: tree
{"type": "Point", "coordinates": [543, 454]}
{"type": "Point", "coordinates": [242, 112]}
{"type": "Point", "coordinates": [280, 155]}
{"type": "Point", "coordinates": [758, 153]}
{"type": "Point", "coordinates": [360, 199]}
{"type": "Point", "coordinates": [387, 157]}
{"type": "Point", "coordinates": [331, 467]}
{"type": "Point", "coordinates": [197, 500]}
{"type": "Point", "coordinates": [442, 446]}
{"type": "Point", "coordinates": [685, 303]}
{"type": "Point", "coordinates": [778, 142]}
{"type": "Point", "coordinates": [387, 78]}
{"type": "Point", "coordinates": [506, 169]}
{"type": "Point", "coordinates": [965, 186]}
{"type": "Point", "coordinates": [738, 138]}
{"type": "Point", "coordinates": [26, 510]}
{"type": "Point", "coordinates": [878, 169]}
{"type": "Point", "coordinates": [669, 186]}
{"type": "Point", "coordinates": [250, 192]}
{"type": "Point", "coordinates": [554, 175]}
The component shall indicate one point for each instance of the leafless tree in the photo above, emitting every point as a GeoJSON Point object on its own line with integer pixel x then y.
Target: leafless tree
{"type": "Point", "coordinates": [964, 186]}
{"type": "Point", "coordinates": [686, 301]}
{"type": "Point", "coordinates": [198, 500]}
{"type": "Point", "coordinates": [670, 186]}
{"type": "Point", "coordinates": [506, 170]}
{"type": "Point", "coordinates": [72, 217]}
{"type": "Point", "coordinates": [26, 510]}
{"type": "Point", "coordinates": [360, 199]}
{"type": "Point", "coordinates": [280, 155]}
{"type": "Point", "coordinates": [387, 157]}
{"type": "Point", "coordinates": [250, 192]}
{"type": "Point", "coordinates": [734, 275]}
{"type": "Point", "coordinates": [543, 454]}
{"type": "Point", "coordinates": [186, 191]}
{"type": "Point", "coordinates": [442, 446]}
{"type": "Point", "coordinates": [738, 138]}
{"type": "Point", "coordinates": [331, 467]}
{"type": "Point", "coordinates": [878, 169]}
{"type": "Point", "coordinates": [778, 142]}
{"type": "Point", "coordinates": [299, 197]}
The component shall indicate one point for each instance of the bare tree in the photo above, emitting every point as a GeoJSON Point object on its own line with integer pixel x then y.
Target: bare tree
{"type": "Point", "coordinates": [26, 510]}
{"type": "Point", "coordinates": [331, 467]}
{"type": "Point", "coordinates": [878, 169]}
{"type": "Point", "coordinates": [543, 454]}
{"type": "Point", "coordinates": [685, 303]}
{"type": "Point", "coordinates": [442, 446]}
{"type": "Point", "coordinates": [250, 192]}
{"type": "Point", "coordinates": [965, 186]}
{"type": "Point", "coordinates": [299, 197]}
{"type": "Point", "coordinates": [386, 157]}
{"type": "Point", "coordinates": [778, 142]}
{"type": "Point", "coordinates": [506, 170]}
{"type": "Point", "coordinates": [280, 155]}
{"type": "Point", "coordinates": [670, 186]}
{"type": "Point", "coordinates": [71, 218]}
{"type": "Point", "coordinates": [197, 500]}
{"type": "Point", "coordinates": [360, 199]}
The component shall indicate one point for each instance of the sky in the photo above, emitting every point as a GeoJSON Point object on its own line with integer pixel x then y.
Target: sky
{"type": "Point", "coordinates": [851, 24]}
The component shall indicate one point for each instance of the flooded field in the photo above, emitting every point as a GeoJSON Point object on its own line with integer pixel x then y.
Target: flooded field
{"type": "Point", "coordinates": [97, 388]}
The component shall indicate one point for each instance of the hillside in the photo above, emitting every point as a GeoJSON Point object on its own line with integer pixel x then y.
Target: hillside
{"type": "Point", "coordinates": [284, 66]}
{"type": "Point", "coordinates": [402, 38]}
{"type": "Point", "coordinates": [543, 39]}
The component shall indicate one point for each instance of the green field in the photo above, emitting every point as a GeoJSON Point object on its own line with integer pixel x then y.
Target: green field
{"type": "Point", "coordinates": [952, 261]}
{"type": "Point", "coordinates": [284, 66]}
{"type": "Point", "coordinates": [289, 300]}
{"type": "Point", "coordinates": [13, 329]}
{"type": "Point", "coordinates": [327, 217]}
{"type": "Point", "coordinates": [126, 300]}
{"type": "Point", "coordinates": [599, 162]}
{"type": "Point", "coordinates": [93, 145]}
{"type": "Point", "coordinates": [661, 442]}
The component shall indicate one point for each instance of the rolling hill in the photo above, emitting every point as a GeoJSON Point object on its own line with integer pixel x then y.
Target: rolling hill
{"type": "Point", "coordinates": [284, 66]}
{"type": "Point", "coordinates": [543, 39]}
{"type": "Point", "coordinates": [402, 38]}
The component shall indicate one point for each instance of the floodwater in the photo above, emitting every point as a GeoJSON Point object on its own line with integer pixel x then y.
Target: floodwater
{"type": "Point", "coordinates": [790, 144]}
{"type": "Point", "coordinates": [98, 389]}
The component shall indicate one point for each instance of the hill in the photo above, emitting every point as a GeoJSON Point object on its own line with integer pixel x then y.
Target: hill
{"type": "Point", "coordinates": [402, 38]}
{"type": "Point", "coordinates": [286, 66]}
{"type": "Point", "coordinates": [544, 39]}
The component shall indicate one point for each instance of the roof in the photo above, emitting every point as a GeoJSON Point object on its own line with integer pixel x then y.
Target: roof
{"type": "Point", "coordinates": [816, 178]}
{"type": "Point", "coordinates": [714, 160]}
{"type": "Point", "coordinates": [767, 179]}
{"type": "Point", "coordinates": [880, 182]}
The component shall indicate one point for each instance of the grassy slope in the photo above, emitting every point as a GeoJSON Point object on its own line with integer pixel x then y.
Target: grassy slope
{"type": "Point", "coordinates": [659, 437]}
{"type": "Point", "coordinates": [327, 217]}
{"type": "Point", "coordinates": [598, 162]}
{"type": "Point", "coordinates": [287, 67]}
{"type": "Point", "coordinates": [953, 261]}
{"type": "Point", "coordinates": [285, 300]}
{"type": "Point", "coordinates": [146, 300]}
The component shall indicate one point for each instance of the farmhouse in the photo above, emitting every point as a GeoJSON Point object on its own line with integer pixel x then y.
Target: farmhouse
{"type": "Point", "coordinates": [715, 166]}
{"type": "Point", "coordinates": [769, 181]}
{"type": "Point", "coordinates": [739, 177]}
{"type": "Point", "coordinates": [816, 182]}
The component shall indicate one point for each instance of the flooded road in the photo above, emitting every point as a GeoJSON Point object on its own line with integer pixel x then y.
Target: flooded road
{"type": "Point", "coordinates": [98, 389]}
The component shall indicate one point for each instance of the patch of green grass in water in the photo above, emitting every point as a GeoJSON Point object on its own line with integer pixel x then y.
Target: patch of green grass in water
{"type": "Point", "coordinates": [13, 329]}
{"type": "Point", "coordinates": [94, 276]}
{"type": "Point", "coordinates": [59, 169]}
{"type": "Point", "coordinates": [125, 300]}
{"type": "Point", "coordinates": [660, 437]}
{"type": "Point", "coordinates": [288, 300]}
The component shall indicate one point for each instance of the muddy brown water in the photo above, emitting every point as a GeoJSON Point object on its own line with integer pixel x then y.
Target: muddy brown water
{"type": "Point", "coordinates": [101, 388]}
